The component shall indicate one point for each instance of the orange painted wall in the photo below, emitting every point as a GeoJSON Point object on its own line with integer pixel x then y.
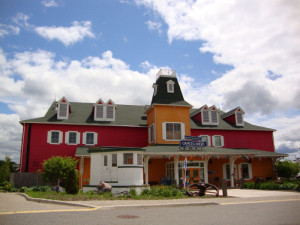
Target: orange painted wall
{"type": "Point", "coordinates": [167, 113]}
{"type": "Point", "coordinates": [86, 172]}
{"type": "Point", "coordinates": [157, 170]}
{"type": "Point", "coordinates": [262, 167]}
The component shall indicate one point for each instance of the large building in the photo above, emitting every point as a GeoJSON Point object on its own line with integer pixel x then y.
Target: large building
{"type": "Point", "coordinates": [133, 145]}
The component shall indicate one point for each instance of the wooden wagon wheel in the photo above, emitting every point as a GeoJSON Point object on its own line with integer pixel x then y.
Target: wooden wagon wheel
{"type": "Point", "coordinates": [201, 189]}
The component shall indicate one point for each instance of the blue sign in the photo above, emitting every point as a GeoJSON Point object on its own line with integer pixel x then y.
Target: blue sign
{"type": "Point", "coordinates": [192, 144]}
{"type": "Point", "coordinates": [192, 138]}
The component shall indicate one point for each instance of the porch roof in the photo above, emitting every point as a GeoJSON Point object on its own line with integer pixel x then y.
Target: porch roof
{"type": "Point", "coordinates": [212, 151]}
{"type": "Point", "coordinates": [172, 150]}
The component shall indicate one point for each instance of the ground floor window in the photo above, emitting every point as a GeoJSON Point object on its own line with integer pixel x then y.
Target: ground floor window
{"type": "Point", "coordinates": [245, 171]}
{"type": "Point", "coordinates": [128, 158]}
{"type": "Point", "coordinates": [139, 159]}
{"type": "Point", "coordinates": [114, 160]}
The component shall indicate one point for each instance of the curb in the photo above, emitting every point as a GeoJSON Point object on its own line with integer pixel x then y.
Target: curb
{"type": "Point", "coordinates": [42, 200]}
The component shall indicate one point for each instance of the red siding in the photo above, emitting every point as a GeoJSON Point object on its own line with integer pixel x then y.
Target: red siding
{"type": "Point", "coordinates": [259, 140]}
{"type": "Point", "coordinates": [40, 150]}
{"type": "Point", "coordinates": [197, 117]}
{"type": "Point", "coordinates": [231, 119]}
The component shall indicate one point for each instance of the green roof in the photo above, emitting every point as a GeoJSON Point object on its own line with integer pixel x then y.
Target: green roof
{"type": "Point", "coordinates": [127, 115]}
{"type": "Point", "coordinates": [82, 114]}
{"type": "Point", "coordinates": [175, 150]}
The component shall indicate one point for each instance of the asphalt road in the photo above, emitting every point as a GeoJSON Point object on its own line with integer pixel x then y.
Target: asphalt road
{"type": "Point", "coordinates": [246, 211]}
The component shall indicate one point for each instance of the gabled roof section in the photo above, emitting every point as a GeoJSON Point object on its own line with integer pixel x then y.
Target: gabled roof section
{"type": "Point", "coordinates": [197, 111]}
{"type": "Point", "coordinates": [162, 95]}
{"type": "Point", "coordinates": [231, 112]}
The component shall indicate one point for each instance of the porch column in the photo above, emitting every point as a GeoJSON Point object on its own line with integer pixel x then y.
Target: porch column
{"type": "Point", "coordinates": [206, 169]}
{"type": "Point", "coordinates": [146, 161]}
{"type": "Point", "coordinates": [81, 170]}
{"type": "Point", "coordinates": [176, 169]}
{"type": "Point", "coordinates": [231, 164]}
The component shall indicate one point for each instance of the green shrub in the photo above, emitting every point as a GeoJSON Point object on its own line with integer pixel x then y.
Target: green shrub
{"type": "Point", "coordinates": [6, 186]}
{"type": "Point", "coordinates": [132, 193]}
{"type": "Point", "coordinates": [249, 185]}
{"type": "Point", "coordinates": [287, 169]}
{"type": "Point", "coordinates": [71, 183]}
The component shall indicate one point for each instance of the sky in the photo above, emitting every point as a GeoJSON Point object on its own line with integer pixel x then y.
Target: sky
{"type": "Point", "coordinates": [225, 53]}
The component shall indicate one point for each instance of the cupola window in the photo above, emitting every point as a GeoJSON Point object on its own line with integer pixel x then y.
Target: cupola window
{"type": "Point", "coordinates": [170, 86]}
{"type": "Point", "coordinates": [104, 111]}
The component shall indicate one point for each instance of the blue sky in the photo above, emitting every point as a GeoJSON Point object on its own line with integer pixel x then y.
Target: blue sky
{"type": "Point", "coordinates": [228, 54]}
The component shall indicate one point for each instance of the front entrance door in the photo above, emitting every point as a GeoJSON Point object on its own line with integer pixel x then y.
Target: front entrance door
{"type": "Point", "coordinates": [192, 176]}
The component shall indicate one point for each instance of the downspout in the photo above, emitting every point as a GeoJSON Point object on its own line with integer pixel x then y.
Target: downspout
{"type": "Point", "coordinates": [28, 148]}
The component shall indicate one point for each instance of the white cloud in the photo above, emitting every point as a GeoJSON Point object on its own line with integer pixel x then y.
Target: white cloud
{"type": "Point", "coordinates": [8, 29]}
{"type": "Point", "coordinates": [155, 26]}
{"type": "Point", "coordinates": [259, 40]}
{"type": "Point", "coordinates": [67, 35]}
{"type": "Point", "coordinates": [50, 3]}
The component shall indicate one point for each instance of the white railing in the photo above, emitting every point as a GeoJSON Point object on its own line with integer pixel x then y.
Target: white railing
{"type": "Point", "coordinates": [166, 72]}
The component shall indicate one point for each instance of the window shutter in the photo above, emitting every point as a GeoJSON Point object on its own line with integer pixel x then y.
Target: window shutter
{"type": "Point", "coordinates": [182, 130]}
{"type": "Point", "coordinates": [208, 140]}
{"type": "Point", "coordinates": [49, 137]}
{"type": "Point", "coordinates": [213, 140]}
{"type": "Point", "coordinates": [84, 138]}
{"type": "Point", "coordinates": [164, 133]}
{"type": "Point", "coordinates": [60, 137]}
{"type": "Point", "coordinates": [239, 118]}
{"type": "Point", "coordinates": [63, 110]}
{"type": "Point", "coordinates": [67, 137]}
{"type": "Point", "coordinates": [95, 138]}
{"type": "Point", "coordinates": [222, 141]}
{"type": "Point", "coordinates": [77, 137]}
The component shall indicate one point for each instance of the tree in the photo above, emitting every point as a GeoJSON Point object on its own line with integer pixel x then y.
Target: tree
{"type": "Point", "coordinates": [5, 169]}
{"type": "Point", "coordinates": [71, 183]}
{"type": "Point", "coordinates": [287, 169]}
{"type": "Point", "coordinates": [58, 168]}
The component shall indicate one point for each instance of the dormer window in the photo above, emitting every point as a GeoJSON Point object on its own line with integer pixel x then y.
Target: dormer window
{"type": "Point", "coordinates": [63, 109]}
{"type": "Point", "coordinates": [104, 111]}
{"type": "Point", "coordinates": [239, 117]}
{"type": "Point", "coordinates": [205, 116]}
{"type": "Point", "coordinates": [214, 116]}
{"type": "Point", "coordinates": [170, 86]}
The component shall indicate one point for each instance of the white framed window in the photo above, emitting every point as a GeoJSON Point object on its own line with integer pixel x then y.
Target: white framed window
{"type": "Point", "coordinates": [151, 132]}
{"type": "Point", "coordinates": [54, 137]}
{"type": "Point", "coordinates": [72, 138]}
{"type": "Point", "coordinates": [218, 140]}
{"type": "Point", "coordinates": [239, 118]}
{"type": "Point", "coordinates": [214, 116]}
{"type": "Point", "coordinates": [90, 138]}
{"type": "Point", "coordinates": [245, 171]}
{"type": "Point", "coordinates": [173, 131]}
{"type": "Point", "coordinates": [114, 160]}
{"type": "Point", "coordinates": [104, 111]}
{"type": "Point", "coordinates": [127, 158]}
{"type": "Point", "coordinates": [63, 109]}
{"type": "Point", "coordinates": [170, 86]}
{"type": "Point", "coordinates": [139, 159]}
{"type": "Point", "coordinates": [206, 138]}
{"type": "Point", "coordinates": [105, 160]}
{"type": "Point", "coordinates": [154, 89]}
{"type": "Point", "coordinates": [205, 116]}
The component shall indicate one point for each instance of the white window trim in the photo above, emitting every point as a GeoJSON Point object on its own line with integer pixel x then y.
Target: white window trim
{"type": "Point", "coordinates": [222, 141]}
{"type": "Point", "coordinates": [59, 117]}
{"type": "Point", "coordinates": [60, 137]}
{"type": "Point", "coordinates": [202, 117]}
{"type": "Point", "coordinates": [95, 138]}
{"type": "Point", "coordinates": [208, 139]}
{"type": "Point", "coordinates": [172, 83]}
{"type": "Point", "coordinates": [216, 123]}
{"type": "Point", "coordinates": [224, 171]}
{"type": "Point", "coordinates": [77, 138]}
{"type": "Point", "coordinates": [249, 169]}
{"type": "Point", "coordinates": [105, 105]}
{"type": "Point", "coordinates": [149, 134]}
{"type": "Point", "coordinates": [236, 119]}
{"type": "Point", "coordinates": [96, 111]}
{"type": "Point", "coordinates": [164, 127]}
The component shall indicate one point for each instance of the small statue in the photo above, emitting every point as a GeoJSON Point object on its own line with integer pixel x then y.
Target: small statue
{"type": "Point", "coordinates": [103, 187]}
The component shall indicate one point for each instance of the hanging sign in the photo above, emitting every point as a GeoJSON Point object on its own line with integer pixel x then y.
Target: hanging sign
{"type": "Point", "coordinates": [191, 143]}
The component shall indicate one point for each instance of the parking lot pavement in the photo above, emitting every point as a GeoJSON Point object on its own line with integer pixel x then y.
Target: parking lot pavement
{"type": "Point", "coordinates": [13, 202]}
